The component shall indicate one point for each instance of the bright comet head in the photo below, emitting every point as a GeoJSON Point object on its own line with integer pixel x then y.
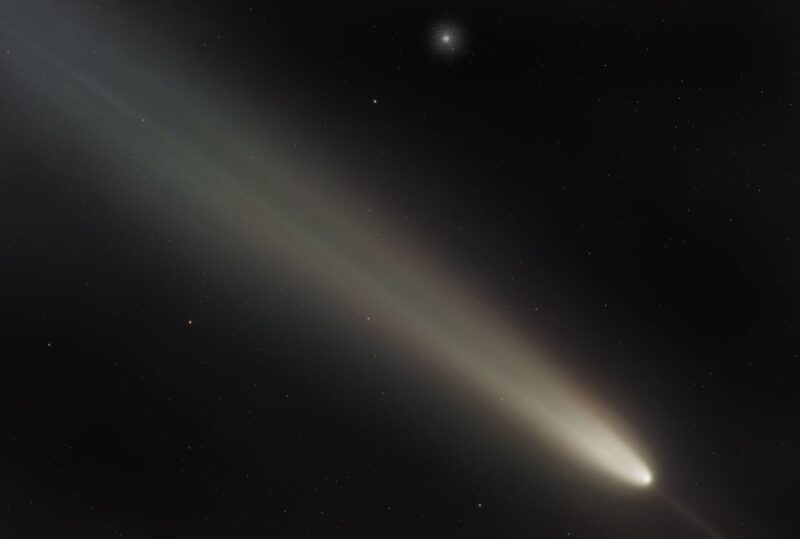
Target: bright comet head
{"type": "Point", "coordinates": [646, 478]}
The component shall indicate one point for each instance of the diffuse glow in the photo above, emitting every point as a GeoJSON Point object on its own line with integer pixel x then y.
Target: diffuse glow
{"type": "Point", "coordinates": [238, 190]}
{"type": "Point", "coordinates": [448, 38]}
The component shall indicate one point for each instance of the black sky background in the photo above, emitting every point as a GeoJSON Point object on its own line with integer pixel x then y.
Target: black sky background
{"type": "Point", "coordinates": [622, 177]}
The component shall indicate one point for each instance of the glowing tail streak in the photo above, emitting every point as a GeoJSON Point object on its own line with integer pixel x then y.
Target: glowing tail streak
{"type": "Point", "coordinates": [221, 181]}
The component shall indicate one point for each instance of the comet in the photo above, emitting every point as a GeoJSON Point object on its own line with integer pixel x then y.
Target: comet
{"type": "Point", "coordinates": [211, 170]}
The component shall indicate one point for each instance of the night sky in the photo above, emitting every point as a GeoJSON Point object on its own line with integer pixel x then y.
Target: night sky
{"type": "Point", "coordinates": [397, 269]}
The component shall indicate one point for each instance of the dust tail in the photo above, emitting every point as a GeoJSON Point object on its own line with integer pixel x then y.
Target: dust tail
{"type": "Point", "coordinates": [686, 513]}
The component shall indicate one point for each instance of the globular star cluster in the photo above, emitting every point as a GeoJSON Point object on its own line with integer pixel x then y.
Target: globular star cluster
{"type": "Point", "coordinates": [448, 39]}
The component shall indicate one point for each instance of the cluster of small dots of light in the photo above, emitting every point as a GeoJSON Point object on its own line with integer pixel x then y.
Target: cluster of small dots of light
{"type": "Point", "coordinates": [446, 39]}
